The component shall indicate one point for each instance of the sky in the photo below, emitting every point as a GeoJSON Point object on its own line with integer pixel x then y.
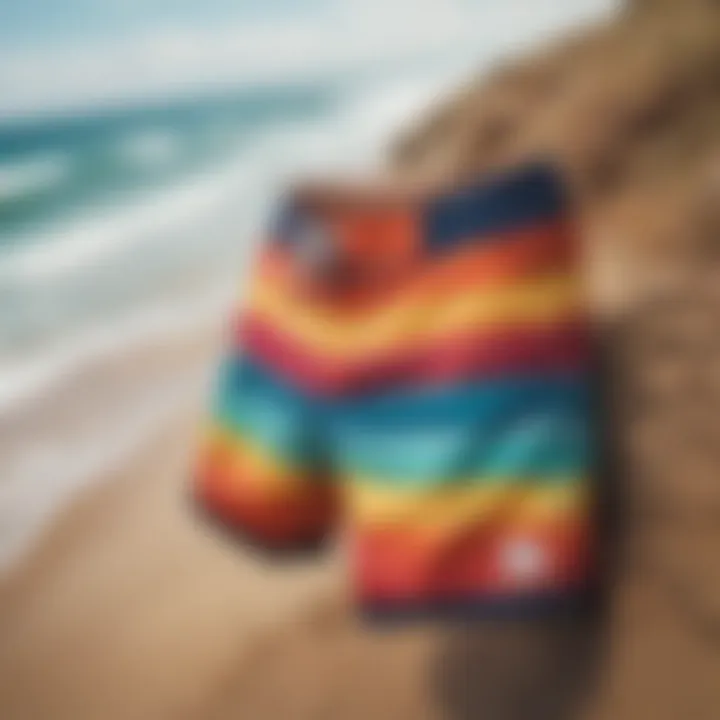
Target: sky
{"type": "Point", "coordinates": [39, 21]}
{"type": "Point", "coordinates": [66, 53]}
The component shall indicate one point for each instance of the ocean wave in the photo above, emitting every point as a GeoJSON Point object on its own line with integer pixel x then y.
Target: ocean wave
{"type": "Point", "coordinates": [232, 200]}
{"type": "Point", "coordinates": [236, 197]}
{"type": "Point", "coordinates": [89, 240]}
{"type": "Point", "coordinates": [24, 178]}
{"type": "Point", "coordinates": [351, 137]}
{"type": "Point", "coordinates": [46, 471]}
{"type": "Point", "coordinates": [149, 149]}
{"type": "Point", "coordinates": [26, 378]}
{"type": "Point", "coordinates": [240, 183]}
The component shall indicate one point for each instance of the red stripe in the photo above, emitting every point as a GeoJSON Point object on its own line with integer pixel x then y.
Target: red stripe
{"type": "Point", "coordinates": [393, 567]}
{"type": "Point", "coordinates": [557, 348]}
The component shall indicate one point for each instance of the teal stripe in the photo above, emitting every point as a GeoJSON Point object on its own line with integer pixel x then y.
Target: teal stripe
{"type": "Point", "coordinates": [537, 432]}
{"type": "Point", "coordinates": [486, 401]}
{"type": "Point", "coordinates": [554, 450]}
{"type": "Point", "coordinates": [281, 429]}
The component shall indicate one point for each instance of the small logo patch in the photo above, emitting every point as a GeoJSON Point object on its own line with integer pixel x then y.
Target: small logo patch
{"type": "Point", "coordinates": [524, 561]}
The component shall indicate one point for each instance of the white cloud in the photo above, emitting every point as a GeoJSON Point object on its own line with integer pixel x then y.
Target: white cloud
{"type": "Point", "coordinates": [349, 34]}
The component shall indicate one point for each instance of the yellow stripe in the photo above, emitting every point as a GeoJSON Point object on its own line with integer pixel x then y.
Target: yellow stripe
{"type": "Point", "coordinates": [446, 508]}
{"type": "Point", "coordinates": [411, 321]}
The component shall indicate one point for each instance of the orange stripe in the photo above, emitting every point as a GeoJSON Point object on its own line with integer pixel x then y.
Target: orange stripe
{"type": "Point", "coordinates": [395, 565]}
{"type": "Point", "coordinates": [431, 538]}
{"type": "Point", "coordinates": [242, 501]}
{"type": "Point", "coordinates": [487, 261]}
{"type": "Point", "coordinates": [235, 457]}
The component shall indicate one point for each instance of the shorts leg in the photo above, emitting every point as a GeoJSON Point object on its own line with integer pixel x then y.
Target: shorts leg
{"type": "Point", "coordinates": [262, 469]}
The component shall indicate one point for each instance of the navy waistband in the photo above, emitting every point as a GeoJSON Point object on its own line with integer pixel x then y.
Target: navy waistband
{"type": "Point", "coordinates": [502, 202]}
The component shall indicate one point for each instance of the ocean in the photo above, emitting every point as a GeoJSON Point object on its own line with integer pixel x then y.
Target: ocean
{"type": "Point", "coordinates": [119, 209]}
{"type": "Point", "coordinates": [128, 227]}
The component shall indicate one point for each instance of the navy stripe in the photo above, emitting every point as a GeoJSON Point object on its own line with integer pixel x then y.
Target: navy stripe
{"type": "Point", "coordinates": [500, 203]}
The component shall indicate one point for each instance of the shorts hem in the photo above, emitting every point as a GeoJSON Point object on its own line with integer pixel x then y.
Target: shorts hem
{"type": "Point", "coordinates": [254, 540]}
{"type": "Point", "coordinates": [541, 605]}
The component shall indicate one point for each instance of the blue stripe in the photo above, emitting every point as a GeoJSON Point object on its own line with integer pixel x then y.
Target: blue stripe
{"type": "Point", "coordinates": [284, 436]}
{"type": "Point", "coordinates": [557, 449]}
{"type": "Point", "coordinates": [532, 427]}
{"type": "Point", "coordinates": [505, 202]}
{"type": "Point", "coordinates": [244, 376]}
{"type": "Point", "coordinates": [485, 402]}
{"type": "Point", "coordinates": [280, 423]}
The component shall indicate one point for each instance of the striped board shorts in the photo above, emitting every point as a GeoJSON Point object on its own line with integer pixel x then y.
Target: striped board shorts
{"type": "Point", "coordinates": [414, 371]}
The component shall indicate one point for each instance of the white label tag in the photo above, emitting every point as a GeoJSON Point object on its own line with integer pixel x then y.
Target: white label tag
{"type": "Point", "coordinates": [524, 561]}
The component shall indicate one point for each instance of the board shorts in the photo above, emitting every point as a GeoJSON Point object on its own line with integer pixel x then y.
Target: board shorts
{"type": "Point", "coordinates": [414, 373]}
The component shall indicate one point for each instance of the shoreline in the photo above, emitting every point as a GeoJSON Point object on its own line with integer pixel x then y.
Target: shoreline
{"type": "Point", "coordinates": [90, 424]}
{"type": "Point", "coordinates": [129, 607]}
